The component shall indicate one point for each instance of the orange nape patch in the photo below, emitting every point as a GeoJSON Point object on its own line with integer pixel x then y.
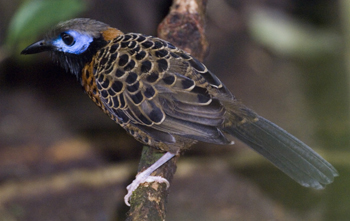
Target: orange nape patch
{"type": "Point", "coordinates": [111, 33]}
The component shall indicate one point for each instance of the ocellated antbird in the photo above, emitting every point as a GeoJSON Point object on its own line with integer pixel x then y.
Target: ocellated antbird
{"type": "Point", "coordinates": [169, 100]}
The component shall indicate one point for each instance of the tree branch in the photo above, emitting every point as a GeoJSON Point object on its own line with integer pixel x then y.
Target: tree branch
{"type": "Point", "coordinates": [184, 27]}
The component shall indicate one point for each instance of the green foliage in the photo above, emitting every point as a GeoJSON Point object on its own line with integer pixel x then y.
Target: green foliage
{"type": "Point", "coordinates": [36, 16]}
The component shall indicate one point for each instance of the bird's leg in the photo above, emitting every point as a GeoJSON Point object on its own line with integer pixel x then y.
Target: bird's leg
{"type": "Point", "coordinates": [145, 176]}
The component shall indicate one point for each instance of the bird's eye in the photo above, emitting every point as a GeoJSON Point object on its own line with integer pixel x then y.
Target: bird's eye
{"type": "Point", "coordinates": [67, 39]}
{"type": "Point", "coordinates": [72, 41]}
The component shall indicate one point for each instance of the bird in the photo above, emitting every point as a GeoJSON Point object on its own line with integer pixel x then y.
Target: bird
{"type": "Point", "coordinates": [167, 99]}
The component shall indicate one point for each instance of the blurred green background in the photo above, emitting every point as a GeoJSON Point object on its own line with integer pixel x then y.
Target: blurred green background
{"type": "Point", "coordinates": [61, 158]}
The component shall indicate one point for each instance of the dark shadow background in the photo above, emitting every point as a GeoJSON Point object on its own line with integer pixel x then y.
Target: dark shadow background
{"type": "Point", "coordinates": [286, 59]}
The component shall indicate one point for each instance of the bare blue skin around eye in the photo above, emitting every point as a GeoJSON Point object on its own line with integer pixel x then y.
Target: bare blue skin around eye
{"type": "Point", "coordinates": [81, 43]}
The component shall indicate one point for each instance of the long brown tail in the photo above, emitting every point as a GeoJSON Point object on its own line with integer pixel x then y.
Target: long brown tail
{"type": "Point", "coordinates": [285, 151]}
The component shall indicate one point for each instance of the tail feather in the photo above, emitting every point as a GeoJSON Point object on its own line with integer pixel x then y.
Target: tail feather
{"type": "Point", "coordinates": [285, 151]}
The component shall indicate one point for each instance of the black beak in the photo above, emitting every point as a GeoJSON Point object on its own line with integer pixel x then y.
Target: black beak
{"type": "Point", "coordinates": [37, 47]}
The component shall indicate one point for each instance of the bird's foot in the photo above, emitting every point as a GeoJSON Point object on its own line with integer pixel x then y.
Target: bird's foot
{"type": "Point", "coordinates": [145, 176]}
{"type": "Point", "coordinates": [140, 178]}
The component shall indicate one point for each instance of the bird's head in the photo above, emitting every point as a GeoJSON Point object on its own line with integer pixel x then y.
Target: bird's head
{"type": "Point", "coordinates": [73, 43]}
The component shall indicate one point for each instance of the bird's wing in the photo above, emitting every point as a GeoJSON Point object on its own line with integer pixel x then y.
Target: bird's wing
{"type": "Point", "coordinates": [147, 81]}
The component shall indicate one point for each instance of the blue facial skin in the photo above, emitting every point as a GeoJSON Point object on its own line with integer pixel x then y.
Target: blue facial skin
{"type": "Point", "coordinates": [80, 42]}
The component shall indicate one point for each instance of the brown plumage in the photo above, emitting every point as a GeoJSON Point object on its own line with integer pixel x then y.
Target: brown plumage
{"type": "Point", "coordinates": [169, 100]}
{"type": "Point", "coordinates": [158, 93]}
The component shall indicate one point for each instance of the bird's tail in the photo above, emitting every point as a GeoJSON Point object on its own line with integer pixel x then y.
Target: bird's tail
{"type": "Point", "coordinates": [285, 151]}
